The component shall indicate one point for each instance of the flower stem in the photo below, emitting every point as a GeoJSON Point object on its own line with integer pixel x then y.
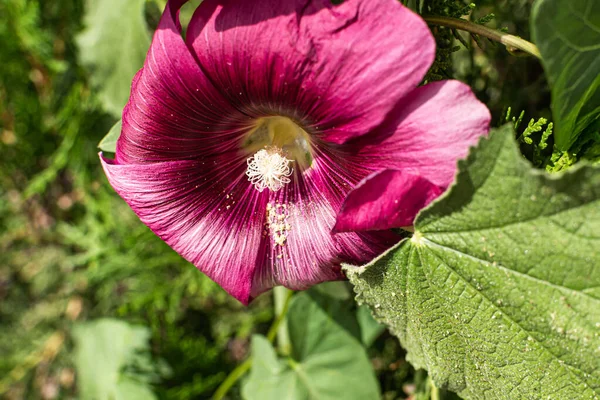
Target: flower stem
{"type": "Point", "coordinates": [282, 297]}
{"type": "Point", "coordinates": [434, 393]}
{"type": "Point", "coordinates": [232, 378]}
{"type": "Point", "coordinates": [511, 42]}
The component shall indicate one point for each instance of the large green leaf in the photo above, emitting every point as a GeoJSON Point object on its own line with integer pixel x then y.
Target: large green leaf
{"type": "Point", "coordinates": [567, 33]}
{"type": "Point", "coordinates": [103, 348]}
{"type": "Point", "coordinates": [497, 294]}
{"type": "Point", "coordinates": [327, 360]}
{"type": "Point", "coordinates": [113, 47]}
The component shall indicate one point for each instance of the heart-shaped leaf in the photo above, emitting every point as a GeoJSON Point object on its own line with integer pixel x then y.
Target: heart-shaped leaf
{"type": "Point", "coordinates": [497, 294]}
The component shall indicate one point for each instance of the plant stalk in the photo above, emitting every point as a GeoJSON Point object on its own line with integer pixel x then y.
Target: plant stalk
{"type": "Point", "coordinates": [434, 391]}
{"type": "Point", "coordinates": [281, 296]}
{"type": "Point", "coordinates": [511, 42]}
{"type": "Point", "coordinates": [232, 378]}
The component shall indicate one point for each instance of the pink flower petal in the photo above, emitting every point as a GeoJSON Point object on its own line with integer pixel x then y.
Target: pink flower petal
{"type": "Point", "coordinates": [215, 223]}
{"type": "Point", "coordinates": [306, 211]}
{"type": "Point", "coordinates": [338, 69]}
{"type": "Point", "coordinates": [433, 128]}
{"type": "Point", "coordinates": [215, 219]}
{"type": "Point", "coordinates": [386, 199]}
{"type": "Point", "coordinates": [174, 111]}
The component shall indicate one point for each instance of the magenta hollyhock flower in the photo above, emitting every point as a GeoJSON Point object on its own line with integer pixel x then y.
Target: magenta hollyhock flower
{"type": "Point", "coordinates": [241, 142]}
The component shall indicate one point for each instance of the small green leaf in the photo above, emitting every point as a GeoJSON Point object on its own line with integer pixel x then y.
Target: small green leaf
{"type": "Point", "coordinates": [567, 33]}
{"type": "Point", "coordinates": [113, 47]}
{"type": "Point", "coordinates": [109, 142]}
{"type": "Point", "coordinates": [102, 349]}
{"type": "Point", "coordinates": [327, 362]}
{"type": "Point", "coordinates": [497, 294]}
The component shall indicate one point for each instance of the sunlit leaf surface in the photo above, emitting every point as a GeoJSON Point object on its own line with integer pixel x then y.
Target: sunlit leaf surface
{"type": "Point", "coordinates": [497, 294]}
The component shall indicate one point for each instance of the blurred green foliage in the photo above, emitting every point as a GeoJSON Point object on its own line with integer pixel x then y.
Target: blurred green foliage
{"type": "Point", "coordinates": [568, 36]}
{"type": "Point", "coordinates": [112, 361]}
{"type": "Point", "coordinates": [325, 358]}
{"type": "Point", "coordinates": [72, 251]}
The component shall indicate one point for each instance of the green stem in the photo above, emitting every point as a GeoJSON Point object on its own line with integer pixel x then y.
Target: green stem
{"type": "Point", "coordinates": [510, 41]}
{"type": "Point", "coordinates": [435, 392]}
{"type": "Point", "coordinates": [282, 298]}
{"type": "Point", "coordinates": [232, 378]}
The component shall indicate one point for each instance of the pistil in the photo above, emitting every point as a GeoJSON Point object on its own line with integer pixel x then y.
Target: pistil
{"type": "Point", "coordinates": [269, 168]}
